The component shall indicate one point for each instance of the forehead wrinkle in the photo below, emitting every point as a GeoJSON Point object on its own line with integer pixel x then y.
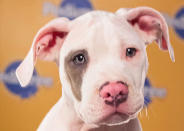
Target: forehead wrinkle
{"type": "Point", "coordinates": [105, 38]}
{"type": "Point", "coordinates": [100, 39]}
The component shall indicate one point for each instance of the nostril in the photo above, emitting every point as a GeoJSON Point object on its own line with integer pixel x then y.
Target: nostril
{"type": "Point", "coordinates": [121, 93]}
{"type": "Point", "coordinates": [108, 94]}
{"type": "Point", "coordinates": [105, 95]}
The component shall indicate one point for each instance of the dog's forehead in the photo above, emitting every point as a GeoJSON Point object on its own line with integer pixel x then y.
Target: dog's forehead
{"type": "Point", "coordinates": [102, 30]}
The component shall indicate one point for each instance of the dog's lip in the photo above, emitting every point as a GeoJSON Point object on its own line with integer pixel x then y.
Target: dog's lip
{"type": "Point", "coordinates": [137, 110]}
{"type": "Point", "coordinates": [120, 114]}
{"type": "Point", "coordinates": [124, 116]}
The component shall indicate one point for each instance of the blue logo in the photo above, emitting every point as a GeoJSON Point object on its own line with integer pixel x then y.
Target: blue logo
{"type": "Point", "coordinates": [68, 8]}
{"type": "Point", "coordinates": [177, 22]}
{"type": "Point", "coordinates": [11, 83]}
{"type": "Point", "coordinates": [151, 92]}
{"type": "Point", "coordinates": [180, 16]}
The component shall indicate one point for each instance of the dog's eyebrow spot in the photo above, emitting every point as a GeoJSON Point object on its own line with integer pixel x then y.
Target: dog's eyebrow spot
{"type": "Point", "coordinates": [75, 72]}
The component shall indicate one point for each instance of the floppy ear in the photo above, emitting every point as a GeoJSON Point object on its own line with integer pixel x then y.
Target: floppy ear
{"type": "Point", "coordinates": [46, 46]}
{"type": "Point", "coordinates": [150, 24]}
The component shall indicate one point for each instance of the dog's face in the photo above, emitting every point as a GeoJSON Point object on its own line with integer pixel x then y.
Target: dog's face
{"type": "Point", "coordinates": [102, 50]}
{"type": "Point", "coordinates": [102, 60]}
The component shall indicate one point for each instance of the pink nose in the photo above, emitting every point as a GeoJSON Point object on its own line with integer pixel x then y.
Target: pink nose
{"type": "Point", "coordinates": [114, 93]}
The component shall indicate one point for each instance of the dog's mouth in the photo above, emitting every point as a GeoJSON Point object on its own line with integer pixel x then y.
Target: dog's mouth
{"type": "Point", "coordinates": [118, 118]}
{"type": "Point", "coordinates": [115, 118]}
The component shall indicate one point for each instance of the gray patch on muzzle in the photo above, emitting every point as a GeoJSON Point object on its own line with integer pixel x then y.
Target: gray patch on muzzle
{"type": "Point", "coordinates": [75, 72]}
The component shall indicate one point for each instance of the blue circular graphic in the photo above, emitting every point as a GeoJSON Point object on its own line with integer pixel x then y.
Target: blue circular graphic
{"type": "Point", "coordinates": [178, 16]}
{"type": "Point", "coordinates": [14, 86]}
{"type": "Point", "coordinates": [147, 99]}
{"type": "Point", "coordinates": [77, 5]}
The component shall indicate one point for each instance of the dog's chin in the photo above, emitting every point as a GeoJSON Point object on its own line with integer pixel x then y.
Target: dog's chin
{"type": "Point", "coordinates": [116, 118]}
{"type": "Point", "coordinates": [112, 117]}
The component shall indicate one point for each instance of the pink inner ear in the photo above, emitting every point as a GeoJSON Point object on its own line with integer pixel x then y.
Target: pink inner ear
{"type": "Point", "coordinates": [164, 43]}
{"type": "Point", "coordinates": [52, 41]}
{"type": "Point", "coordinates": [49, 39]}
{"type": "Point", "coordinates": [146, 23]}
{"type": "Point", "coordinates": [47, 43]}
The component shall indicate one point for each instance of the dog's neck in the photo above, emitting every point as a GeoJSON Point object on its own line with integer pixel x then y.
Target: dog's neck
{"type": "Point", "coordinates": [64, 111]}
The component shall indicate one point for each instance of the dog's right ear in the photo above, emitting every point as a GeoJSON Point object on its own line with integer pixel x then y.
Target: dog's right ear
{"type": "Point", "coordinates": [151, 26]}
{"type": "Point", "coordinates": [46, 46]}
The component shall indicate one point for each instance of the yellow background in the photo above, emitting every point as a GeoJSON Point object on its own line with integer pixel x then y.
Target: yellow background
{"type": "Point", "coordinates": [19, 22]}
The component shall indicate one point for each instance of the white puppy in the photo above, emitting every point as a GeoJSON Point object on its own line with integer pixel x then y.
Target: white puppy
{"type": "Point", "coordinates": [102, 64]}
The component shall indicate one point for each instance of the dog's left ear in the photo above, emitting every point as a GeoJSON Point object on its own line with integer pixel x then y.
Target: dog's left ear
{"type": "Point", "coordinates": [150, 24]}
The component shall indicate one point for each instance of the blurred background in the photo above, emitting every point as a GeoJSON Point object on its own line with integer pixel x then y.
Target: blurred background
{"type": "Point", "coordinates": [22, 109]}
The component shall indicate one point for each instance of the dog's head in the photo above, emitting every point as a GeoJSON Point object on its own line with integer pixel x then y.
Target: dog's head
{"type": "Point", "coordinates": [102, 60]}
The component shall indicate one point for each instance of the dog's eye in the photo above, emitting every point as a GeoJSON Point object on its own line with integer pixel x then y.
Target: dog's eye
{"type": "Point", "coordinates": [130, 52]}
{"type": "Point", "coordinates": [79, 59]}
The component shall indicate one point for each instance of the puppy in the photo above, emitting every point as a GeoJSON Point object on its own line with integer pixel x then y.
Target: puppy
{"type": "Point", "coordinates": [102, 64]}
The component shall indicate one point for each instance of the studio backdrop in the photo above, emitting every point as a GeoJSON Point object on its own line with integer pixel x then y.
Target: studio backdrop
{"type": "Point", "coordinates": [22, 109]}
